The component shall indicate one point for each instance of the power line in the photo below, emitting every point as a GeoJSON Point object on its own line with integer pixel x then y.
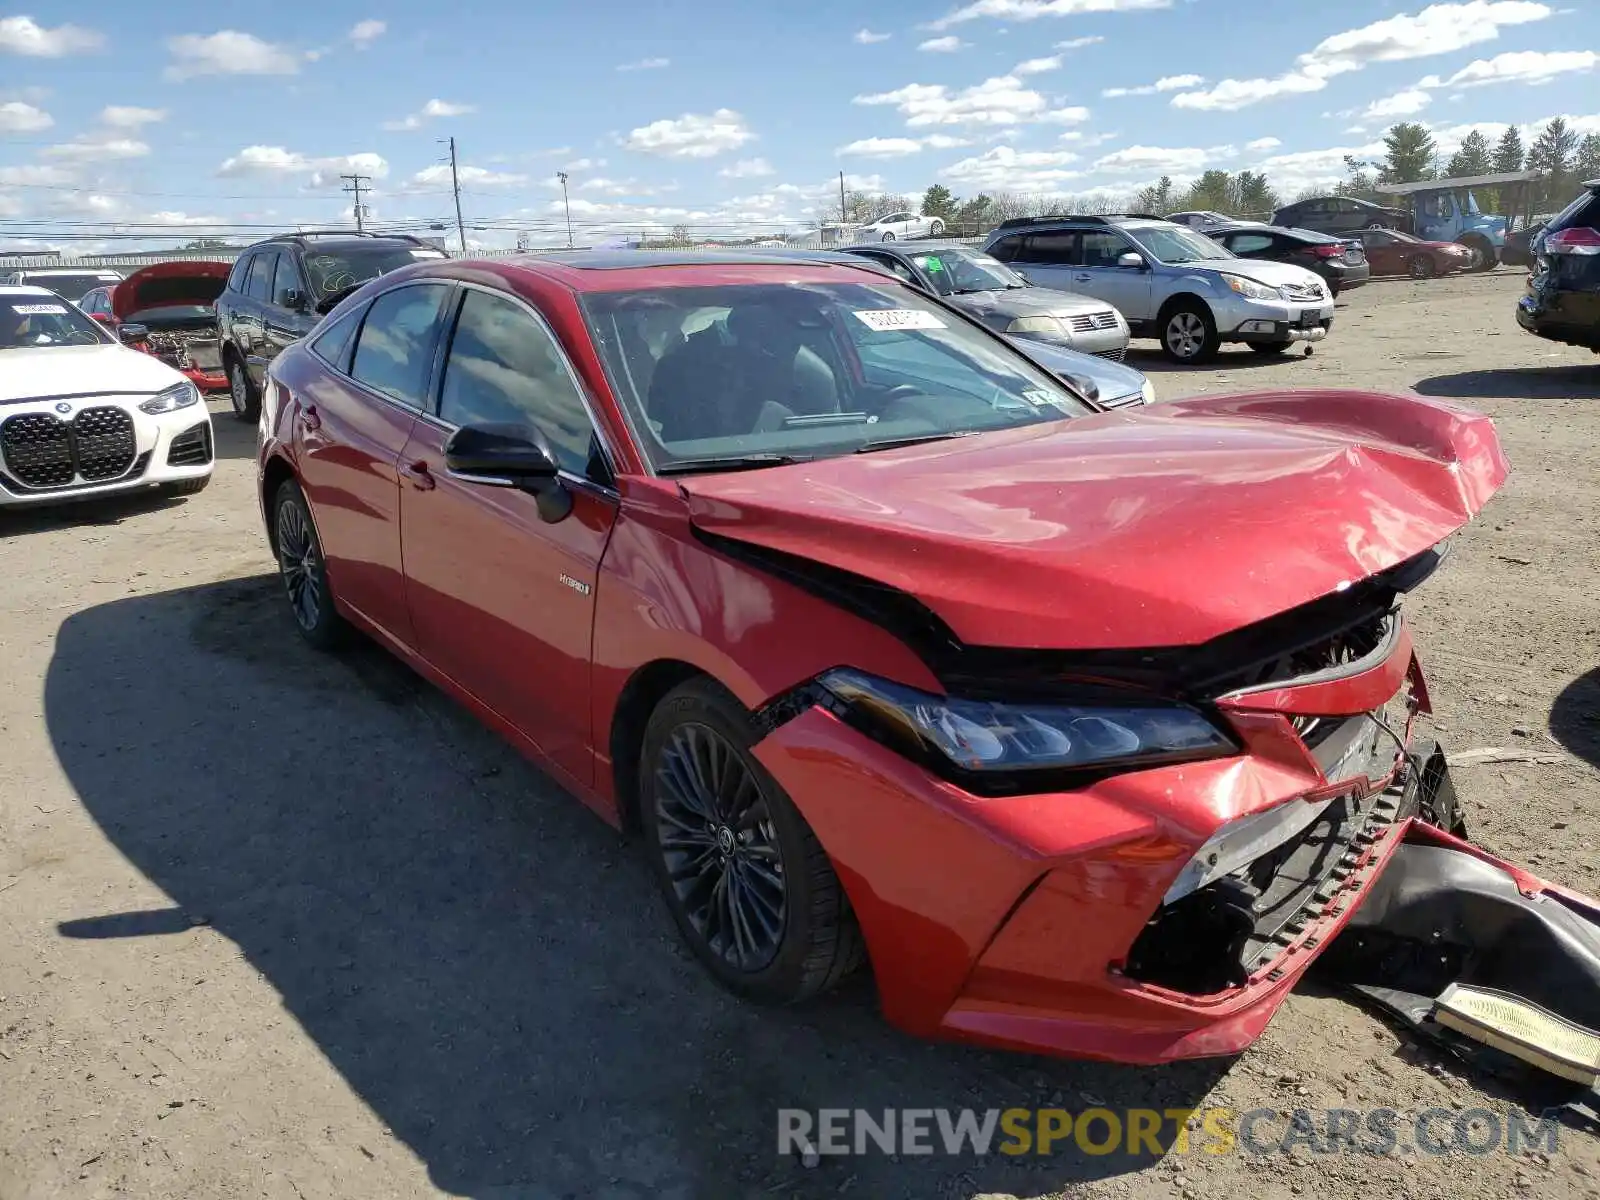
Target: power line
{"type": "Point", "coordinates": [356, 182]}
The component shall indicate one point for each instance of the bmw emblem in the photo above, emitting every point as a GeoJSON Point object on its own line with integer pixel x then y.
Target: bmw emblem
{"type": "Point", "coordinates": [63, 407]}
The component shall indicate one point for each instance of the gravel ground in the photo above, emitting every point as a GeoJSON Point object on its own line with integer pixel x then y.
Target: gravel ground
{"type": "Point", "coordinates": [285, 926]}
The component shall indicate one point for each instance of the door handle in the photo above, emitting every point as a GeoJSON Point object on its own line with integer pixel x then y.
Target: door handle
{"type": "Point", "coordinates": [417, 472]}
{"type": "Point", "coordinates": [311, 417]}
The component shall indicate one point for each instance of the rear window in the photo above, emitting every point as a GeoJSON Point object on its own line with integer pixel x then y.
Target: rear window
{"type": "Point", "coordinates": [70, 285]}
{"type": "Point", "coordinates": [1582, 212]}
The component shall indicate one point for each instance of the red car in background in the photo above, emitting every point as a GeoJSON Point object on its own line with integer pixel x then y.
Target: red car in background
{"type": "Point", "coordinates": [167, 310]}
{"type": "Point", "coordinates": [1391, 252]}
{"type": "Point", "coordinates": [1086, 729]}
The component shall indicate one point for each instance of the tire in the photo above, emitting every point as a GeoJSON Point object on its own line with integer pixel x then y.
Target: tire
{"type": "Point", "coordinates": [186, 487]}
{"type": "Point", "coordinates": [242, 393]}
{"type": "Point", "coordinates": [1333, 288]}
{"type": "Point", "coordinates": [887, 236]}
{"type": "Point", "coordinates": [936, 229]}
{"type": "Point", "coordinates": [1375, 225]}
{"type": "Point", "coordinates": [1267, 348]}
{"type": "Point", "coordinates": [1420, 266]}
{"type": "Point", "coordinates": [304, 570]}
{"type": "Point", "coordinates": [799, 936]}
{"type": "Point", "coordinates": [1485, 258]}
{"type": "Point", "coordinates": [1189, 333]}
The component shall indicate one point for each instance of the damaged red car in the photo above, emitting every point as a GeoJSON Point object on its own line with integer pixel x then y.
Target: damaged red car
{"type": "Point", "coordinates": [1086, 730]}
{"type": "Point", "coordinates": [166, 310]}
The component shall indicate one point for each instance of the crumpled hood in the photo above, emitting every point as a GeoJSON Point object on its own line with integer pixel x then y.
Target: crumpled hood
{"type": "Point", "coordinates": [1027, 302]}
{"type": "Point", "coordinates": [1157, 526]}
{"type": "Point", "coordinates": [169, 285]}
{"type": "Point", "coordinates": [45, 372]}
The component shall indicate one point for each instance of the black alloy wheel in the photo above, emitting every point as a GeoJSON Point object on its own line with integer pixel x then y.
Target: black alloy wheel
{"type": "Point", "coordinates": [1420, 266]}
{"type": "Point", "coordinates": [303, 569]}
{"type": "Point", "coordinates": [749, 885]}
{"type": "Point", "coordinates": [242, 393]}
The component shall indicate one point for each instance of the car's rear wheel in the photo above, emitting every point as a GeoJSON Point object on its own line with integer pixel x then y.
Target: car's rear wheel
{"type": "Point", "coordinates": [1375, 225]}
{"type": "Point", "coordinates": [936, 228]}
{"type": "Point", "coordinates": [1189, 333]}
{"type": "Point", "coordinates": [888, 236]}
{"type": "Point", "coordinates": [750, 887]}
{"type": "Point", "coordinates": [1266, 348]}
{"type": "Point", "coordinates": [1420, 266]}
{"type": "Point", "coordinates": [303, 569]}
{"type": "Point", "coordinates": [246, 400]}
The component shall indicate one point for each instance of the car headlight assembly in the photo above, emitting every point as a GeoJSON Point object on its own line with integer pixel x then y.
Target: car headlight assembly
{"type": "Point", "coordinates": [1050, 325]}
{"type": "Point", "coordinates": [179, 395]}
{"type": "Point", "coordinates": [1006, 748]}
{"type": "Point", "coordinates": [1250, 289]}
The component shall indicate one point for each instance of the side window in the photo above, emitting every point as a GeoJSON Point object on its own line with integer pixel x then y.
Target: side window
{"type": "Point", "coordinates": [259, 285]}
{"type": "Point", "coordinates": [1250, 243]}
{"type": "Point", "coordinates": [394, 351]}
{"type": "Point", "coordinates": [333, 343]}
{"type": "Point", "coordinates": [1049, 249]}
{"type": "Point", "coordinates": [1102, 248]}
{"type": "Point", "coordinates": [895, 265]}
{"type": "Point", "coordinates": [504, 366]}
{"type": "Point", "coordinates": [287, 280]}
{"type": "Point", "coordinates": [241, 268]}
{"type": "Point", "coordinates": [1006, 249]}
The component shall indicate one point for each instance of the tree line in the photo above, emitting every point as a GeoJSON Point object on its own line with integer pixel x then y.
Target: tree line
{"type": "Point", "coordinates": [1562, 157]}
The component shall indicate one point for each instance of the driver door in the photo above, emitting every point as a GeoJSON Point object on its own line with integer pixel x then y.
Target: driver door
{"type": "Point", "coordinates": [1096, 273]}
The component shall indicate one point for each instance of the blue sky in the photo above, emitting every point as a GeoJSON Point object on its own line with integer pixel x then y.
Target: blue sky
{"type": "Point", "coordinates": [119, 118]}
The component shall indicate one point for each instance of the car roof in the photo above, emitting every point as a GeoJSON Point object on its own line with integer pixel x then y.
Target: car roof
{"type": "Point", "coordinates": [25, 289]}
{"type": "Point", "coordinates": [102, 272]}
{"type": "Point", "coordinates": [919, 246]}
{"type": "Point", "coordinates": [625, 270]}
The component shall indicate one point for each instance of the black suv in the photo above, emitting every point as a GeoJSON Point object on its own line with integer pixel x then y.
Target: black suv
{"type": "Point", "coordinates": [279, 289]}
{"type": "Point", "coordinates": [1563, 298]}
{"type": "Point", "coordinates": [1341, 214]}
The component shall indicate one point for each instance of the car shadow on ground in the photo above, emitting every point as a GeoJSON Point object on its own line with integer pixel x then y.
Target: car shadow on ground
{"type": "Point", "coordinates": [1151, 361]}
{"type": "Point", "coordinates": [485, 962]}
{"type": "Point", "coordinates": [1517, 383]}
{"type": "Point", "coordinates": [232, 437]}
{"type": "Point", "coordinates": [1575, 717]}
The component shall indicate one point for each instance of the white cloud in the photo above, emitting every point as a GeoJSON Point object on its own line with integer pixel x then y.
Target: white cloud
{"type": "Point", "coordinates": [692, 135]}
{"type": "Point", "coordinates": [128, 116]}
{"type": "Point", "coordinates": [747, 168]}
{"type": "Point", "coordinates": [1032, 10]}
{"type": "Point", "coordinates": [1037, 66]}
{"type": "Point", "coordinates": [1004, 168]}
{"type": "Point", "coordinates": [880, 147]}
{"type": "Point", "coordinates": [1305, 169]}
{"type": "Point", "coordinates": [645, 64]}
{"type": "Point", "coordinates": [1520, 66]}
{"type": "Point", "coordinates": [228, 52]}
{"type": "Point", "coordinates": [1436, 29]}
{"type": "Point", "coordinates": [1003, 100]}
{"type": "Point", "coordinates": [1401, 104]}
{"type": "Point", "coordinates": [98, 149]}
{"type": "Point", "coordinates": [430, 111]}
{"type": "Point", "coordinates": [1078, 43]}
{"type": "Point", "coordinates": [1263, 144]}
{"type": "Point", "coordinates": [438, 175]}
{"type": "Point", "coordinates": [18, 117]}
{"type": "Point", "coordinates": [865, 37]}
{"type": "Point", "coordinates": [1170, 83]}
{"type": "Point", "coordinates": [583, 164]}
{"type": "Point", "coordinates": [1160, 160]}
{"type": "Point", "coordinates": [37, 176]}
{"type": "Point", "coordinates": [25, 36]}
{"type": "Point", "coordinates": [275, 161]}
{"type": "Point", "coordinates": [942, 45]}
{"type": "Point", "coordinates": [363, 33]}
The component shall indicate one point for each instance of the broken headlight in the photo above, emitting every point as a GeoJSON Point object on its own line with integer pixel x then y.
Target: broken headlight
{"type": "Point", "coordinates": [985, 736]}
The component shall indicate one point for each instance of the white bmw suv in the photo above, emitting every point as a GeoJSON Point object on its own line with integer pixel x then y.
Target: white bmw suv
{"type": "Point", "coordinates": [82, 415]}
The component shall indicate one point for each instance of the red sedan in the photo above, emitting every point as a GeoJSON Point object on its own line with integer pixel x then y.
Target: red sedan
{"type": "Point", "coordinates": [1085, 729]}
{"type": "Point", "coordinates": [1390, 252]}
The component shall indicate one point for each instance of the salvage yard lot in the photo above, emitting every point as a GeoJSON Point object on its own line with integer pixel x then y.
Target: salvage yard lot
{"type": "Point", "coordinates": [279, 925]}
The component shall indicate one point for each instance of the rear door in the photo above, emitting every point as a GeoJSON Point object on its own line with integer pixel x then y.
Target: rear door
{"type": "Point", "coordinates": [501, 600]}
{"type": "Point", "coordinates": [352, 429]}
{"type": "Point", "coordinates": [1047, 256]}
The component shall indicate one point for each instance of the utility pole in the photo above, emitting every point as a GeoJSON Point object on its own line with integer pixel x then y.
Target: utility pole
{"type": "Point", "coordinates": [567, 204]}
{"type": "Point", "coordinates": [357, 183]}
{"type": "Point", "coordinates": [455, 186]}
{"type": "Point", "coordinates": [844, 217]}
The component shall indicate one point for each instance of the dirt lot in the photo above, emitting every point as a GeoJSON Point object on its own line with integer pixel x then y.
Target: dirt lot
{"type": "Point", "coordinates": [285, 926]}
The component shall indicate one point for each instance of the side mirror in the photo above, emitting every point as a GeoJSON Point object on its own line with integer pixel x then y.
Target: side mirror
{"type": "Point", "coordinates": [1131, 261]}
{"type": "Point", "coordinates": [294, 298]}
{"type": "Point", "coordinates": [133, 333]}
{"type": "Point", "coordinates": [510, 456]}
{"type": "Point", "coordinates": [1022, 275]}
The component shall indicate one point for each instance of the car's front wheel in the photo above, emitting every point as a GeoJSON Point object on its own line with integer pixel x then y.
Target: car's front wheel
{"type": "Point", "coordinates": [1375, 225]}
{"type": "Point", "coordinates": [936, 229]}
{"type": "Point", "coordinates": [1189, 333]}
{"type": "Point", "coordinates": [246, 400]}
{"type": "Point", "coordinates": [304, 570]}
{"type": "Point", "coordinates": [750, 887]}
{"type": "Point", "coordinates": [888, 235]}
{"type": "Point", "coordinates": [1420, 266]}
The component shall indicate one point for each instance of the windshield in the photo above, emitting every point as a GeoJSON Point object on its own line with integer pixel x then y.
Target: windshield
{"type": "Point", "coordinates": [1176, 244]}
{"type": "Point", "coordinates": [27, 322]}
{"type": "Point", "coordinates": [334, 270]}
{"type": "Point", "coordinates": [769, 373]}
{"type": "Point", "coordinates": [73, 285]}
{"type": "Point", "coordinates": [957, 272]}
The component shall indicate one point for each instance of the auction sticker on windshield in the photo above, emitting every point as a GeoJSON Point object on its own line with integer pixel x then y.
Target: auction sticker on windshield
{"type": "Point", "coordinates": [38, 310]}
{"type": "Point", "coordinates": [884, 319]}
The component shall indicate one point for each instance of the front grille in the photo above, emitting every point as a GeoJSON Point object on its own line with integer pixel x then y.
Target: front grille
{"type": "Point", "coordinates": [191, 448]}
{"type": "Point", "coordinates": [1089, 322]}
{"type": "Point", "coordinates": [1114, 355]}
{"type": "Point", "coordinates": [1303, 291]}
{"type": "Point", "coordinates": [44, 452]}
